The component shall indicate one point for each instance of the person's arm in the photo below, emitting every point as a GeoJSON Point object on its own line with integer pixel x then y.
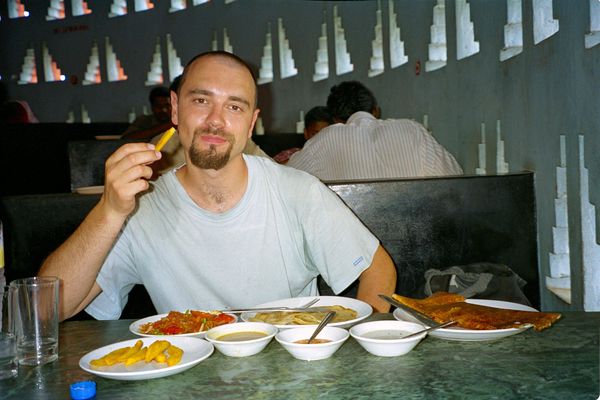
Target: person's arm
{"type": "Point", "coordinates": [379, 278]}
{"type": "Point", "coordinates": [77, 261]}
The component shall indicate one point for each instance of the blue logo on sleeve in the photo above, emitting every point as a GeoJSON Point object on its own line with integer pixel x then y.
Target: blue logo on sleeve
{"type": "Point", "coordinates": [358, 261]}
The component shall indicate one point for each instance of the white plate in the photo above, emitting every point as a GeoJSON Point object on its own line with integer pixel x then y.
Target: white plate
{"type": "Point", "coordinates": [134, 327]}
{"type": "Point", "coordinates": [472, 335]}
{"type": "Point", "coordinates": [362, 309]}
{"type": "Point", "coordinates": [194, 351]}
{"type": "Point", "coordinates": [89, 190]}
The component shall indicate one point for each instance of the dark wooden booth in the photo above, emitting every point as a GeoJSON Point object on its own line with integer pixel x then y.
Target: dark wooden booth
{"type": "Point", "coordinates": [422, 223]}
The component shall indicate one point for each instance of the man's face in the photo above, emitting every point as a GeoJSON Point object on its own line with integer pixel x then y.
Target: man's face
{"type": "Point", "coordinates": [215, 111]}
{"type": "Point", "coordinates": [161, 108]}
{"type": "Point", "coordinates": [314, 128]}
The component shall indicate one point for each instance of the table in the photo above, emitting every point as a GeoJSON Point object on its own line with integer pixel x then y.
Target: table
{"type": "Point", "coordinates": [558, 363]}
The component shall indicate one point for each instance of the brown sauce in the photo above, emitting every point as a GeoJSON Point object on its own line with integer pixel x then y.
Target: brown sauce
{"type": "Point", "coordinates": [314, 341]}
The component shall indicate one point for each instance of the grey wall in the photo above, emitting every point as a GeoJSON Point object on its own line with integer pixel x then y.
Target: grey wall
{"type": "Point", "coordinates": [548, 90]}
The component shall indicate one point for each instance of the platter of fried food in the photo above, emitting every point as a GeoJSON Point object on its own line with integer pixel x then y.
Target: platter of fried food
{"type": "Point", "coordinates": [146, 358]}
{"type": "Point", "coordinates": [477, 319]}
{"type": "Point", "coordinates": [175, 323]}
{"type": "Point", "coordinates": [348, 312]}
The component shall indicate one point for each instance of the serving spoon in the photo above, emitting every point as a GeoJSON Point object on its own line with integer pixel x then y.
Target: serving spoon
{"type": "Point", "coordinates": [433, 328]}
{"type": "Point", "coordinates": [321, 325]}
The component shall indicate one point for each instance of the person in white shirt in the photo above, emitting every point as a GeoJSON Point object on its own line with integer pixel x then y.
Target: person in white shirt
{"type": "Point", "coordinates": [362, 146]}
{"type": "Point", "coordinates": [225, 229]}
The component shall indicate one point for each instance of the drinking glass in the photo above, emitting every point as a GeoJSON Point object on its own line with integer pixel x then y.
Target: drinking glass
{"type": "Point", "coordinates": [8, 341]}
{"type": "Point", "coordinates": [34, 310]}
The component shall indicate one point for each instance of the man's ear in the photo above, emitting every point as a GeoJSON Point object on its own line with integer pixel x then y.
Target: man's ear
{"type": "Point", "coordinates": [174, 117]}
{"type": "Point", "coordinates": [254, 118]}
{"type": "Point", "coordinates": [376, 112]}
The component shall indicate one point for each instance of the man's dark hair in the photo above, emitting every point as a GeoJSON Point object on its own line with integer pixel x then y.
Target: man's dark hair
{"type": "Point", "coordinates": [174, 86]}
{"type": "Point", "coordinates": [316, 114]}
{"type": "Point", "coordinates": [349, 97]}
{"type": "Point", "coordinates": [158, 91]}
{"type": "Point", "coordinates": [225, 54]}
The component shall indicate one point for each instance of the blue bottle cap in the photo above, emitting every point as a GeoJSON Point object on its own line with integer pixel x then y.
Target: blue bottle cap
{"type": "Point", "coordinates": [83, 390]}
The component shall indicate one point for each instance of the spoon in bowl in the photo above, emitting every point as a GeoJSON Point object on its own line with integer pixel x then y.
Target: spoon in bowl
{"type": "Point", "coordinates": [321, 325]}
{"type": "Point", "coordinates": [433, 328]}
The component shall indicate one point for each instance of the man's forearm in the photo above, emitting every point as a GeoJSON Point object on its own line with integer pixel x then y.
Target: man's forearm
{"type": "Point", "coordinates": [379, 278]}
{"type": "Point", "coordinates": [77, 261]}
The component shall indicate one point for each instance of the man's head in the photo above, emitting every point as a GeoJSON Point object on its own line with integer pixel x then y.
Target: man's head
{"type": "Point", "coordinates": [349, 97]}
{"type": "Point", "coordinates": [215, 108]}
{"type": "Point", "coordinates": [160, 100]}
{"type": "Point", "coordinates": [316, 119]}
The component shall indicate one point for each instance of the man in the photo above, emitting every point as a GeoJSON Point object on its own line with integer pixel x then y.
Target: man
{"type": "Point", "coordinates": [147, 126]}
{"type": "Point", "coordinates": [225, 229]}
{"type": "Point", "coordinates": [361, 146]}
{"type": "Point", "coordinates": [315, 119]}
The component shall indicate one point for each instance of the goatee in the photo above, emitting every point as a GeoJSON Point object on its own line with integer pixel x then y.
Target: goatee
{"type": "Point", "coordinates": [210, 158]}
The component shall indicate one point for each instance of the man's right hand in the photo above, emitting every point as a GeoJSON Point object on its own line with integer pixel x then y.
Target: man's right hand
{"type": "Point", "coordinates": [127, 172]}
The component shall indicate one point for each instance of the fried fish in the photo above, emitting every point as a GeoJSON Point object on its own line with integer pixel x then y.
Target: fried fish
{"type": "Point", "coordinates": [443, 307]}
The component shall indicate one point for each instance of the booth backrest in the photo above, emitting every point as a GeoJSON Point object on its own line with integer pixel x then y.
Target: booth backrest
{"type": "Point", "coordinates": [442, 222]}
{"type": "Point", "coordinates": [422, 223]}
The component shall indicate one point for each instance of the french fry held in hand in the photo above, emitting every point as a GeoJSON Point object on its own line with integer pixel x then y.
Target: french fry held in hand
{"type": "Point", "coordinates": [161, 351]}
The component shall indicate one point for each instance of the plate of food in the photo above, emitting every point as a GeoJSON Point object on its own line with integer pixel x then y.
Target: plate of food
{"type": "Point", "coordinates": [348, 312]}
{"type": "Point", "coordinates": [175, 323]}
{"type": "Point", "coordinates": [146, 358]}
{"type": "Point", "coordinates": [477, 319]}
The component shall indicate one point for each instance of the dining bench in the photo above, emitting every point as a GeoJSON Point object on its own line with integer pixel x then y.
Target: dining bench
{"type": "Point", "coordinates": [423, 223]}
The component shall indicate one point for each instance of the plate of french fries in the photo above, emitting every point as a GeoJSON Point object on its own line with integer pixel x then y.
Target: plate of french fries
{"type": "Point", "coordinates": [146, 358]}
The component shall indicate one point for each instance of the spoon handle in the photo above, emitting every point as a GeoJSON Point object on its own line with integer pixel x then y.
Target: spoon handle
{"type": "Point", "coordinates": [433, 328]}
{"type": "Point", "coordinates": [321, 325]}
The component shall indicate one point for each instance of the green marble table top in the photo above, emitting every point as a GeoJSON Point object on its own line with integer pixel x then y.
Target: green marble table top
{"type": "Point", "coordinates": [558, 363]}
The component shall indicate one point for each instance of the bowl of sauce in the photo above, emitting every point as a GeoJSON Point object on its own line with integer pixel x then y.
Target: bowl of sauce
{"type": "Point", "coordinates": [386, 338]}
{"type": "Point", "coordinates": [327, 342]}
{"type": "Point", "coordinates": [241, 339]}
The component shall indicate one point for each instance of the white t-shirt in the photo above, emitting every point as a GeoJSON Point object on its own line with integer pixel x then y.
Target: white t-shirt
{"type": "Point", "coordinates": [369, 148]}
{"type": "Point", "coordinates": [286, 230]}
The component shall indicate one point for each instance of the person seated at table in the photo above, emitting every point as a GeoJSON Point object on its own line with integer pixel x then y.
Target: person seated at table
{"type": "Point", "coordinates": [173, 152]}
{"type": "Point", "coordinates": [145, 127]}
{"type": "Point", "coordinates": [362, 146]}
{"type": "Point", "coordinates": [225, 229]}
{"type": "Point", "coordinates": [17, 112]}
{"type": "Point", "coordinates": [315, 119]}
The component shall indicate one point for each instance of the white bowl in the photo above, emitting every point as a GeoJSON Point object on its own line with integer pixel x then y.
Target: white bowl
{"type": "Point", "coordinates": [312, 351]}
{"type": "Point", "coordinates": [241, 348]}
{"type": "Point", "coordinates": [378, 337]}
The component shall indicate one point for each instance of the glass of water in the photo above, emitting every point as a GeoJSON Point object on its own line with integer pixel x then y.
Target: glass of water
{"type": "Point", "coordinates": [34, 311]}
{"type": "Point", "coordinates": [8, 341]}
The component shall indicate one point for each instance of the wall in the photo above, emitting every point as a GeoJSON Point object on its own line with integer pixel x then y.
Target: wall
{"type": "Point", "coordinates": [551, 89]}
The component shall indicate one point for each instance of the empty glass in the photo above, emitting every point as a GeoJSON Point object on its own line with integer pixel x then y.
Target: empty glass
{"type": "Point", "coordinates": [8, 342]}
{"type": "Point", "coordinates": [34, 310]}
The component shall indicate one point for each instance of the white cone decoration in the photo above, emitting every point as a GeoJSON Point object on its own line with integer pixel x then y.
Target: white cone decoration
{"type": "Point", "coordinates": [481, 153]}
{"type": "Point", "coordinates": [343, 64]}
{"type": "Point", "coordinates": [593, 37]}
{"type": "Point", "coordinates": [501, 166]}
{"type": "Point", "coordinates": [544, 25]}
{"type": "Point", "coordinates": [114, 71]}
{"type": "Point", "coordinates": [300, 123]}
{"type": "Point", "coordinates": [226, 43]}
{"type": "Point", "coordinates": [143, 5]}
{"type": "Point", "coordinates": [397, 55]}
{"type": "Point", "coordinates": [85, 118]}
{"type": "Point", "coordinates": [198, 2]}
{"type": "Point", "coordinates": [377, 61]}
{"type": "Point", "coordinates": [214, 44]}
{"type": "Point", "coordinates": [56, 10]}
{"type": "Point", "coordinates": [16, 9]}
{"type": "Point", "coordinates": [286, 60]}
{"type": "Point", "coordinates": [513, 30]}
{"type": "Point", "coordinates": [265, 72]}
{"type": "Point", "coordinates": [92, 73]}
{"type": "Point", "coordinates": [322, 63]}
{"type": "Point", "coordinates": [175, 67]}
{"type": "Point", "coordinates": [79, 8]}
{"type": "Point", "coordinates": [155, 74]}
{"type": "Point", "coordinates": [118, 8]}
{"type": "Point", "coordinates": [438, 53]}
{"type": "Point", "coordinates": [177, 5]}
{"type": "Point", "coordinates": [51, 71]}
{"type": "Point", "coordinates": [466, 45]}
{"type": "Point", "coordinates": [28, 69]}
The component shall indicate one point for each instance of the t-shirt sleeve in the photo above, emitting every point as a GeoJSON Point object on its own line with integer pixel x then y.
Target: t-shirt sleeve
{"type": "Point", "coordinates": [337, 244]}
{"type": "Point", "coordinates": [116, 278]}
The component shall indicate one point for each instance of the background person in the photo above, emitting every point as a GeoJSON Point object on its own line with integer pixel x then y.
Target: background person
{"type": "Point", "coordinates": [315, 119]}
{"type": "Point", "coordinates": [362, 146]}
{"type": "Point", "coordinates": [225, 229]}
{"type": "Point", "coordinates": [147, 126]}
